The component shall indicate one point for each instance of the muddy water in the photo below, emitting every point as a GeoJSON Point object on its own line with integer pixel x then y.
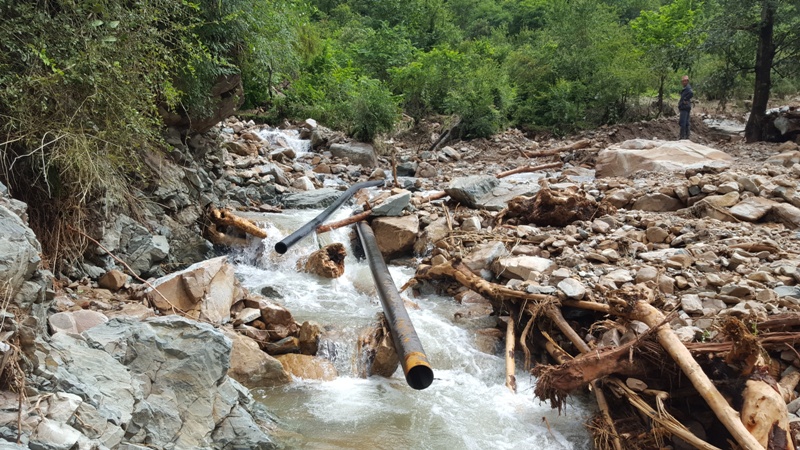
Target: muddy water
{"type": "Point", "coordinates": [466, 407]}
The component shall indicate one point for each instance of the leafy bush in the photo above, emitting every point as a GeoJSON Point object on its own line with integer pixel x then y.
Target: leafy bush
{"type": "Point", "coordinates": [343, 99]}
{"type": "Point", "coordinates": [446, 81]}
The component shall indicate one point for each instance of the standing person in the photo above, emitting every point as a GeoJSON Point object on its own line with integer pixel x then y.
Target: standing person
{"type": "Point", "coordinates": [685, 106]}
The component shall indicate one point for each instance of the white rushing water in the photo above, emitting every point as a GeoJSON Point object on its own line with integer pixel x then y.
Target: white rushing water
{"type": "Point", "coordinates": [466, 407]}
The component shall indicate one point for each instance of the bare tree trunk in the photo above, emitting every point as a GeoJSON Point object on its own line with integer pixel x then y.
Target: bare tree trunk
{"type": "Point", "coordinates": [754, 131]}
{"type": "Point", "coordinates": [660, 102]}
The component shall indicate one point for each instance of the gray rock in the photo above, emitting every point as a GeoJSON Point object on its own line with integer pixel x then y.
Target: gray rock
{"type": "Point", "coordinates": [484, 254]}
{"type": "Point", "coordinates": [521, 266]}
{"type": "Point", "coordinates": [691, 304]}
{"type": "Point", "coordinates": [787, 291]}
{"type": "Point", "coordinates": [657, 202]}
{"type": "Point", "coordinates": [572, 288]}
{"type": "Point", "coordinates": [392, 206]}
{"type": "Point", "coordinates": [356, 152]}
{"type": "Point", "coordinates": [75, 370]}
{"type": "Point", "coordinates": [469, 190]}
{"type": "Point", "coordinates": [134, 244]}
{"type": "Point", "coordinates": [316, 199]}
{"type": "Point", "coordinates": [53, 435]}
{"type": "Point", "coordinates": [407, 169]}
{"type": "Point", "coordinates": [19, 252]}
{"type": "Point", "coordinates": [471, 224]}
{"type": "Point", "coordinates": [239, 430]}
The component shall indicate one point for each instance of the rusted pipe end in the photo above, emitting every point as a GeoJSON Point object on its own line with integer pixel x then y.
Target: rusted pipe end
{"type": "Point", "coordinates": [419, 374]}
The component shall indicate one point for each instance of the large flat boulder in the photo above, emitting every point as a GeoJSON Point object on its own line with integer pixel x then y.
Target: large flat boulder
{"type": "Point", "coordinates": [629, 157]}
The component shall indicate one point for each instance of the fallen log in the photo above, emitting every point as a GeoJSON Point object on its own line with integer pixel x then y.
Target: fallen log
{"type": "Point", "coordinates": [525, 169]}
{"type": "Point", "coordinates": [583, 143]}
{"type": "Point", "coordinates": [344, 222]}
{"type": "Point", "coordinates": [788, 384]}
{"type": "Point", "coordinates": [430, 198]}
{"type": "Point", "coordinates": [771, 341]}
{"type": "Point", "coordinates": [556, 382]}
{"type": "Point", "coordinates": [492, 291]}
{"type": "Point", "coordinates": [224, 217]}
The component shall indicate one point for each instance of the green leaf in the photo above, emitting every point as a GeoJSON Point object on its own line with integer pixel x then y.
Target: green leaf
{"type": "Point", "coordinates": [113, 24]}
{"type": "Point", "coordinates": [109, 39]}
{"type": "Point", "coordinates": [95, 23]}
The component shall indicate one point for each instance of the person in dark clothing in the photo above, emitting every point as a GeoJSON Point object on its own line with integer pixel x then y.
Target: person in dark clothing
{"type": "Point", "coordinates": [685, 106]}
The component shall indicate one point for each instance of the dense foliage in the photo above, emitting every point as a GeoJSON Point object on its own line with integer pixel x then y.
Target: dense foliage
{"type": "Point", "coordinates": [84, 83]}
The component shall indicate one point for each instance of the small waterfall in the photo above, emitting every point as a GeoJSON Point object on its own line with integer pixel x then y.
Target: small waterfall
{"type": "Point", "coordinates": [285, 138]}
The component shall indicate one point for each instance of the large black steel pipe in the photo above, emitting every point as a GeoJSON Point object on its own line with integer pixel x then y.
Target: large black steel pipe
{"type": "Point", "coordinates": [282, 246]}
{"type": "Point", "coordinates": [419, 374]}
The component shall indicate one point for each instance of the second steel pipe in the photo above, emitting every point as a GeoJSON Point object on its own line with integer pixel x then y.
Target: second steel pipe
{"type": "Point", "coordinates": [282, 246]}
{"type": "Point", "coordinates": [419, 374]}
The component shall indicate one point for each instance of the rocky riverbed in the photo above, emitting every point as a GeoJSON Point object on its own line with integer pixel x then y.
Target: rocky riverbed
{"type": "Point", "coordinates": [98, 357]}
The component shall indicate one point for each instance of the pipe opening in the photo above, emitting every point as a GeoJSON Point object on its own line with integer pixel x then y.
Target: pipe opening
{"type": "Point", "coordinates": [281, 248]}
{"type": "Point", "coordinates": [419, 377]}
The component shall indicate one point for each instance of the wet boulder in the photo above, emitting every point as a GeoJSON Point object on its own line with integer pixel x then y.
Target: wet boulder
{"type": "Point", "coordinates": [253, 367]}
{"type": "Point", "coordinates": [396, 235]}
{"type": "Point", "coordinates": [308, 367]}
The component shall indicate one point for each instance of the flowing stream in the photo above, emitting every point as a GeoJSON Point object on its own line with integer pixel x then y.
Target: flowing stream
{"type": "Point", "coordinates": [466, 407]}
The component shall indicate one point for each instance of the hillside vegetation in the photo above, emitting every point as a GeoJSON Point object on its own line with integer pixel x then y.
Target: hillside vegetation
{"type": "Point", "coordinates": [85, 84]}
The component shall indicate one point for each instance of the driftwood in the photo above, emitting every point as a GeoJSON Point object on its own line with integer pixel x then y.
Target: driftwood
{"type": "Point", "coordinates": [525, 169]}
{"type": "Point", "coordinates": [376, 351]}
{"type": "Point", "coordinates": [219, 238]}
{"type": "Point", "coordinates": [511, 379]}
{"type": "Point", "coordinates": [554, 314]}
{"type": "Point", "coordinates": [224, 217]}
{"type": "Point", "coordinates": [583, 143]}
{"type": "Point", "coordinates": [496, 293]}
{"type": "Point", "coordinates": [640, 309]}
{"type": "Point", "coordinates": [556, 382]}
{"type": "Point", "coordinates": [326, 262]}
{"type": "Point", "coordinates": [661, 416]}
{"type": "Point", "coordinates": [435, 196]}
{"type": "Point", "coordinates": [558, 209]}
{"type": "Point", "coordinates": [764, 413]}
{"type": "Point", "coordinates": [344, 222]}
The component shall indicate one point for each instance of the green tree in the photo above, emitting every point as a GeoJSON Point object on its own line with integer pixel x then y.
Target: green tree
{"type": "Point", "coordinates": [760, 37]}
{"type": "Point", "coordinates": [670, 39]}
{"type": "Point", "coordinates": [580, 69]}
